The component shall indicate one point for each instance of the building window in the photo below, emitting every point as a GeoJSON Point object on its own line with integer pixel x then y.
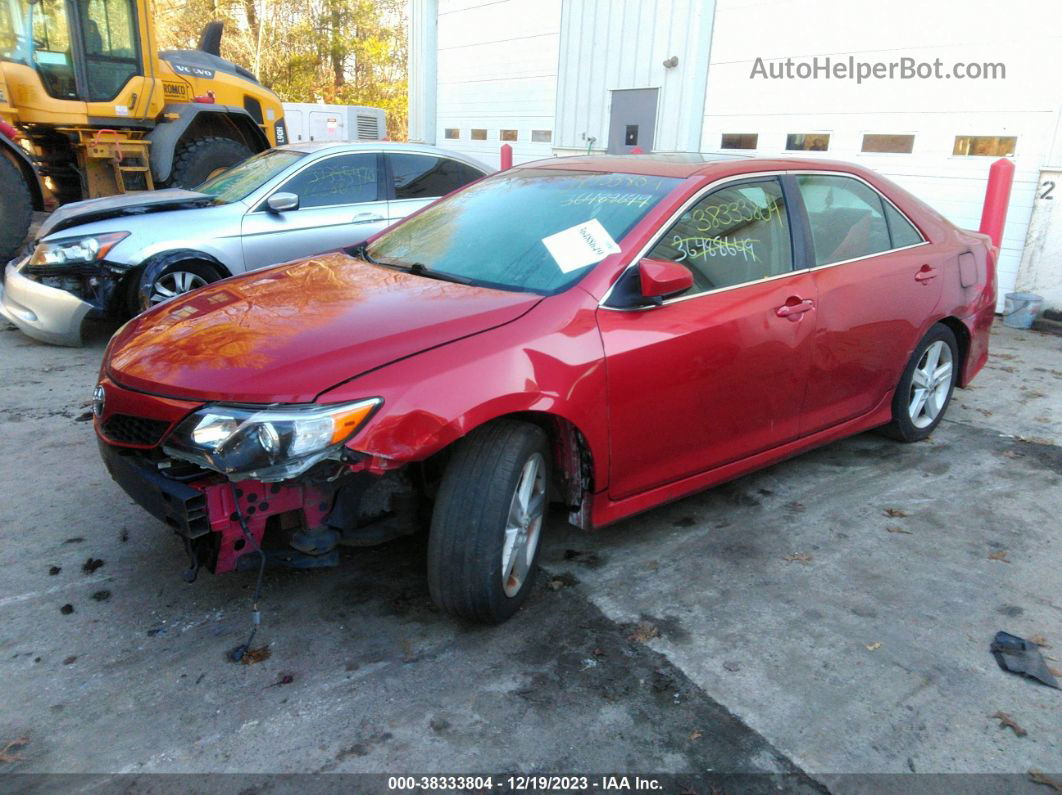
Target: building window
{"type": "Point", "coordinates": [739, 141]}
{"type": "Point", "coordinates": [807, 142]}
{"type": "Point", "coordinates": [985, 145]}
{"type": "Point", "coordinates": [542, 136]}
{"type": "Point", "coordinates": [896, 144]}
{"type": "Point", "coordinates": [508, 135]}
{"type": "Point", "coordinates": [479, 135]}
{"type": "Point", "coordinates": [453, 132]}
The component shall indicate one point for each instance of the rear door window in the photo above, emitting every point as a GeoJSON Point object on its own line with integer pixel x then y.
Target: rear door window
{"type": "Point", "coordinates": [427, 176]}
{"type": "Point", "coordinates": [846, 216]}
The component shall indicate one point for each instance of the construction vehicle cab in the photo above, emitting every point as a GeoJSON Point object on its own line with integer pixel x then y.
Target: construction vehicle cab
{"type": "Point", "coordinates": [98, 110]}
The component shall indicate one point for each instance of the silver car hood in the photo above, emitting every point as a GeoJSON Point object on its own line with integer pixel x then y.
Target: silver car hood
{"type": "Point", "coordinates": [136, 203]}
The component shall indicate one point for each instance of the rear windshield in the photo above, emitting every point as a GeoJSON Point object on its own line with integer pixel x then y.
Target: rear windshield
{"type": "Point", "coordinates": [246, 177]}
{"type": "Point", "coordinates": [537, 230]}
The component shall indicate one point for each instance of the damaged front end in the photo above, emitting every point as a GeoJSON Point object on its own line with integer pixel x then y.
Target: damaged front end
{"type": "Point", "coordinates": [61, 284]}
{"type": "Point", "coordinates": [239, 482]}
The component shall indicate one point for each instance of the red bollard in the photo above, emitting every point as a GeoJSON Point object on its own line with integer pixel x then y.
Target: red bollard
{"type": "Point", "coordinates": [637, 151]}
{"type": "Point", "coordinates": [506, 157]}
{"type": "Point", "coordinates": [997, 197]}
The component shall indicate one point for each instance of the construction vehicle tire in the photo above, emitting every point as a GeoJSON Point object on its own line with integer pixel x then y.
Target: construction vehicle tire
{"type": "Point", "coordinates": [198, 159]}
{"type": "Point", "coordinates": [16, 209]}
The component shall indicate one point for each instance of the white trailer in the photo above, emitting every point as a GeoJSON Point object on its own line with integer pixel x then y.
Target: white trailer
{"type": "Point", "coordinates": [308, 121]}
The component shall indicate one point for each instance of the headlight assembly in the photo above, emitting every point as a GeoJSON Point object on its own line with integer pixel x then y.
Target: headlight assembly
{"type": "Point", "coordinates": [75, 250]}
{"type": "Point", "coordinates": [266, 443]}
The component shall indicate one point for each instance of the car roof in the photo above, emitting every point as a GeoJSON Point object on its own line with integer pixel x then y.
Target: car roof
{"type": "Point", "coordinates": [686, 164]}
{"type": "Point", "coordinates": [321, 148]}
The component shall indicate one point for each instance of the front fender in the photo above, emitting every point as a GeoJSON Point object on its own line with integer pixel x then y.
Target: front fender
{"type": "Point", "coordinates": [550, 361]}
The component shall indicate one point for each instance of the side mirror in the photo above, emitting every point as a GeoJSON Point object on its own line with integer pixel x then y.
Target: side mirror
{"type": "Point", "coordinates": [282, 202]}
{"type": "Point", "coordinates": [662, 279]}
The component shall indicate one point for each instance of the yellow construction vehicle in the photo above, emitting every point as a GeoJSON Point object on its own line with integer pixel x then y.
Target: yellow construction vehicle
{"type": "Point", "coordinates": [89, 107]}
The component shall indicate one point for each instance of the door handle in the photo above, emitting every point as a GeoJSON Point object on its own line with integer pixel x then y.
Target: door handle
{"type": "Point", "coordinates": [794, 308]}
{"type": "Point", "coordinates": [926, 274]}
{"type": "Point", "coordinates": [362, 218]}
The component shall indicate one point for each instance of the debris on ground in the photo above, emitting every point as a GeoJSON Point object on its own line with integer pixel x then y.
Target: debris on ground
{"type": "Point", "coordinates": [644, 632]}
{"type": "Point", "coordinates": [896, 513]}
{"type": "Point", "coordinates": [74, 540]}
{"type": "Point", "coordinates": [873, 646]}
{"type": "Point", "coordinates": [1007, 722]}
{"type": "Point", "coordinates": [795, 507]}
{"type": "Point", "coordinates": [894, 529]}
{"type": "Point", "coordinates": [563, 580]}
{"type": "Point", "coordinates": [70, 660]}
{"type": "Point", "coordinates": [999, 554]}
{"type": "Point", "coordinates": [7, 755]}
{"type": "Point", "coordinates": [599, 652]}
{"type": "Point", "coordinates": [695, 735]}
{"type": "Point", "coordinates": [101, 596]}
{"type": "Point", "coordinates": [91, 565]}
{"type": "Point", "coordinates": [285, 679]}
{"type": "Point", "coordinates": [1040, 640]}
{"type": "Point", "coordinates": [124, 536]}
{"type": "Point", "coordinates": [733, 667]}
{"type": "Point", "coordinates": [252, 656]}
{"type": "Point", "coordinates": [798, 557]}
{"type": "Point", "coordinates": [85, 416]}
{"type": "Point", "coordinates": [66, 609]}
{"type": "Point", "coordinates": [1040, 777]}
{"type": "Point", "coordinates": [1019, 656]}
{"type": "Point", "coordinates": [54, 570]}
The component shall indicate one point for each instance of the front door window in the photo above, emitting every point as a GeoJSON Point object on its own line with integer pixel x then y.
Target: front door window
{"type": "Point", "coordinates": [109, 33]}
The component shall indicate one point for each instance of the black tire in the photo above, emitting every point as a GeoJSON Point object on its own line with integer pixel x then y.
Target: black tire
{"type": "Point", "coordinates": [197, 159]}
{"type": "Point", "coordinates": [468, 527]}
{"type": "Point", "coordinates": [903, 427]}
{"type": "Point", "coordinates": [16, 209]}
{"type": "Point", "coordinates": [140, 298]}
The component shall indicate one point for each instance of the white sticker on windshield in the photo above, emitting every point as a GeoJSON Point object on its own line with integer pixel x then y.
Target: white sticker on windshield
{"type": "Point", "coordinates": [580, 245]}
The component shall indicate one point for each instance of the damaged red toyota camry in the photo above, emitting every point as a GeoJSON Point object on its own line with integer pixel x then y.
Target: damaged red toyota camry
{"type": "Point", "coordinates": [606, 333]}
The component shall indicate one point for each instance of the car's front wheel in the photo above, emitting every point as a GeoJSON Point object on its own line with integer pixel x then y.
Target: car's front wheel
{"type": "Point", "coordinates": [925, 388]}
{"type": "Point", "coordinates": [176, 279]}
{"type": "Point", "coordinates": [488, 520]}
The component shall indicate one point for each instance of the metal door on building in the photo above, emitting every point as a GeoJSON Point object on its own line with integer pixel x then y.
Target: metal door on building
{"type": "Point", "coordinates": [632, 121]}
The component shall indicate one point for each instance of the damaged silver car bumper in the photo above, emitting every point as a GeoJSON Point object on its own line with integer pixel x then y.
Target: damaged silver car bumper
{"type": "Point", "coordinates": [44, 313]}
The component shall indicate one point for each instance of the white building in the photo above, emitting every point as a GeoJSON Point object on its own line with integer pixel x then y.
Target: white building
{"type": "Point", "coordinates": [555, 77]}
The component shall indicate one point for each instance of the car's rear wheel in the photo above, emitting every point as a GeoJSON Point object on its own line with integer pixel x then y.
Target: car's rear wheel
{"type": "Point", "coordinates": [925, 389]}
{"type": "Point", "coordinates": [177, 279]}
{"type": "Point", "coordinates": [488, 520]}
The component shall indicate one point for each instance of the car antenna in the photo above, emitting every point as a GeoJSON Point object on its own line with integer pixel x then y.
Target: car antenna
{"type": "Point", "coordinates": [237, 654]}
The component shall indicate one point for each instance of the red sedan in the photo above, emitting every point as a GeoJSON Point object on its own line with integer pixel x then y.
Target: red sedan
{"type": "Point", "coordinates": [607, 333]}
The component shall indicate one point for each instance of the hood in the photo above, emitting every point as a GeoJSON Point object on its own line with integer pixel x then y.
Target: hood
{"type": "Point", "coordinates": [288, 333]}
{"type": "Point", "coordinates": [136, 203]}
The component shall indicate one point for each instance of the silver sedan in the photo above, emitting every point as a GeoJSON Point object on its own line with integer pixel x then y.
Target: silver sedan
{"type": "Point", "coordinates": [118, 255]}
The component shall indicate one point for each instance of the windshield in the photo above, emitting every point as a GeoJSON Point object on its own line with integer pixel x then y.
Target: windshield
{"type": "Point", "coordinates": [537, 230]}
{"type": "Point", "coordinates": [244, 178]}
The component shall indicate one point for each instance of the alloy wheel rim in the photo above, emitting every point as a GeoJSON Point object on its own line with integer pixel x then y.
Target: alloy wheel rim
{"type": "Point", "coordinates": [930, 384]}
{"type": "Point", "coordinates": [523, 526]}
{"type": "Point", "coordinates": [170, 285]}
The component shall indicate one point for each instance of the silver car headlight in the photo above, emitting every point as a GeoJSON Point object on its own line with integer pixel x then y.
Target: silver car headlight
{"type": "Point", "coordinates": [75, 250]}
{"type": "Point", "coordinates": [266, 443]}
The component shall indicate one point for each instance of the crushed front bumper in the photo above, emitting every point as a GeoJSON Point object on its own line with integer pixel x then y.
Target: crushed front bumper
{"type": "Point", "coordinates": [206, 512]}
{"type": "Point", "coordinates": [44, 313]}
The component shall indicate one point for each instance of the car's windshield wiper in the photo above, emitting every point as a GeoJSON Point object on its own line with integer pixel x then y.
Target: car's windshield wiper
{"type": "Point", "coordinates": [421, 269]}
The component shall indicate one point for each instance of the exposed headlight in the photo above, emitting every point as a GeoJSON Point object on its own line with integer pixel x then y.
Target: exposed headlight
{"type": "Point", "coordinates": [268, 444]}
{"type": "Point", "coordinates": [75, 250]}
